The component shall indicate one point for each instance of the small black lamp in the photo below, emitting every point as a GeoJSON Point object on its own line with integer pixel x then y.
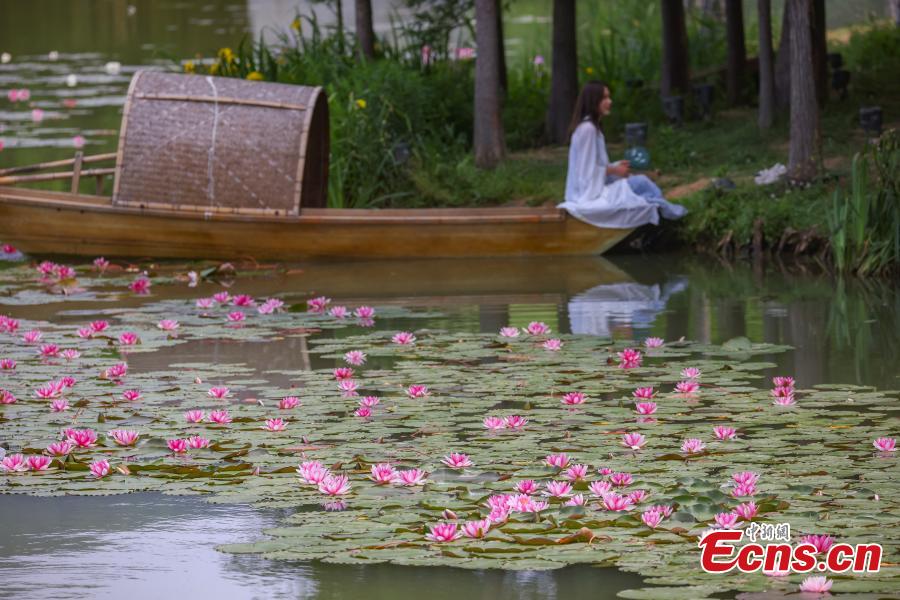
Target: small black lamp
{"type": "Point", "coordinates": [870, 118]}
{"type": "Point", "coordinates": [673, 107]}
{"type": "Point", "coordinates": [703, 94]}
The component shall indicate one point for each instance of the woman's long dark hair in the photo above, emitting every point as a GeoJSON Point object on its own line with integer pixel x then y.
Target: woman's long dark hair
{"type": "Point", "coordinates": [586, 105]}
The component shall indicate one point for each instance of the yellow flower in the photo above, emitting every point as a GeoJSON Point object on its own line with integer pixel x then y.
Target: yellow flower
{"type": "Point", "coordinates": [226, 54]}
{"type": "Point", "coordinates": [189, 67]}
{"type": "Point", "coordinates": [214, 68]}
{"type": "Point", "coordinates": [255, 76]}
{"type": "Point", "coordinates": [589, 70]}
{"type": "Point", "coordinates": [361, 103]}
{"type": "Point", "coordinates": [295, 24]}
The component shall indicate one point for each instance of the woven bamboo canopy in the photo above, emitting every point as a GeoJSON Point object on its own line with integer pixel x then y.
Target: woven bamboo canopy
{"type": "Point", "coordinates": [214, 144]}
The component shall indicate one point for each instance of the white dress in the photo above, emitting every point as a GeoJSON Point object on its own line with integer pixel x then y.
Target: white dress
{"type": "Point", "coordinates": [593, 199]}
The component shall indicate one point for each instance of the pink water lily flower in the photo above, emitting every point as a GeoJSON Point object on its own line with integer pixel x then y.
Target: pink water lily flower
{"type": "Point", "coordinates": [456, 460]}
{"type": "Point", "coordinates": [178, 445]}
{"type": "Point", "coordinates": [527, 486]}
{"type": "Point", "coordinates": [821, 542]}
{"type": "Point", "coordinates": [348, 388]}
{"type": "Point", "coordinates": [8, 364]}
{"type": "Point", "coordinates": [494, 423]}
{"type": "Point", "coordinates": [140, 286]}
{"type": "Point", "coordinates": [313, 472]}
{"type": "Point", "coordinates": [885, 444]}
{"type": "Point", "coordinates": [51, 389]}
{"type": "Point", "coordinates": [745, 477]}
{"type": "Point", "coordinates": [129, 338]}
{"type": "Point", "coordinates": [70, 354]}
{"type": "Point", "coordinates": [364, 312]}
{"type": "Point", "coordinates": [339, 312]}
{"type": "Point", "coordinates": [194, 416]}
{"type": "Point", "coordinates": [101, 264]}
{"type": "Point", "coordinates": [220, 417]}
{"type": "Point", "coordinates": [724, 433]}
{"type": "Point", "coordinates": [515, 421]}
{"type": "Point", "coordinates": [576, 500]}
{"type": "Point", "coordinates": [66, 382]}
{"type": "Point", "coordinates": [7, 397]}
{"type": "Point", "coordinates": [476, 529]}
{"type": "Point", "coordinates": [645, 408]}
{"type": "Point", "coordinates": [99, 468]}
{"type": "Point", "coordinates": [383, 473]}
{"type": "Point", "coordinates": [559, 461]}
{"type": "Point", "coordinates": [600, 488]}
{"type": "Point", "coordinates": [573, 398]}
{"type": "Point", "coordinates": [59, 405]}
{"type": "Point", "coordinates": [342, 373]}
{"type": "Point", "coordinates": [616, 503]}
{"type": "Point", "coordinates": [537, 328]}
{"type": "Point", "coordinates": [60, 448]}
{"type": "Point", "coordinates": [364, 412]}
{"type": "Point", "coordinates": [418, 391]}
{"type": "Point", "coordinates": [49, 350]}
{"type": "Point", "coordinates": [558, 489]}
{"type": "Point", "coordinates": [218, 392]}
{"type": "Point", "coordinates": [204, 303]}
{"type": "Point", "coordinates": [335, 485]}
{"type": "Point", "coordinates": [621, 479]}
{"type": "Point", "coordinates": [39, 463]}
{"type": "Point", "coordinates": [815, 584]}
{"type": "Point", "coordinates": [8, 325]}
{"type": "Point", "coordinates": [355, 357]}
{"type": "Point", "coordinates": [576, 472]}
{"type": "Point", "coordinates": [651, 518]}
{"type": "Point", "coordinates": [272, 305]}
{"type": "Point", "coordinates": [629, 358]}
{"type": "Point", "coordinates": [168, 325]}
{"type": "Point", "coordinates": [509, 332]}
{"type": "Point", "coordinates": [82, 438]}
{"type": "Point", "coordinates": [369, 401]}
{"type": "Point", "coordinates": [785, 401]}
{"type": "Point", "coordinates": [443, 532]}
{"type": "Point", "coordinates": [99, 326]}
{"type": "Point", "coordinates": [664, 509]}
{"type": "Point", "coordinates": [274, 425]}
{"type": "Point", "coordinates": [742, 490]}
{"type": "Point", "coordinates": [116, 372]}
{"type": "Point", "coordinates": [131, 395]}
{"type": "Point", "coordinates": [222, 297]}
{"type": "Point", "coordinates": [124, 437]}
{"type": "Point", "coordinates": [692, 446]}
{"type": "Point", "coordinates": [411, 477]}
{"type": "Point", "coordinates": [318, 305]}
{"type": "Point", "coordinates": [553, 345]}
{"type": "Point", "coordinates": [638, 496]}
{"type": "Point", "coordinates": [85, 332]}
{"type": "Point", "coordinates": [236, 316]}
{"type": "Point", "coordinates": [14, 463]}
{"type": "Point", "coordinates": [289, 402]}
{"type": "Point", "coordinates": [726, 520]}
{"type": "Point", "coordinates": [404, 338]}
{"type": "Point", "coordinates": [653, 342]}
{"type": "Point", "coordinates": [634, 441]}
{"type": "Point", "coordinates": [691, 373]}
{"type": "Point", "coordinates": [78, 141]}
{"type": "Point", "coordinates": [687, 387]}
{"type": "Point", "coordinates": [787, 382]}
{"type": "Point", "coordinates": [197, 442]}
{"type": "Point", "coordinates": [644, 393]}
{"type": "Point", "coordinates": [243, 300]}
{"type": "Point", "coordinates": [32, 337]}
{"type": "Point", "coordinates": [746, 510]}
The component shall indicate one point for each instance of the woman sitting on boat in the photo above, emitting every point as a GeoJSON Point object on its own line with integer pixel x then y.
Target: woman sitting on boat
{"type": "Point", "coordinates": [600, 193]}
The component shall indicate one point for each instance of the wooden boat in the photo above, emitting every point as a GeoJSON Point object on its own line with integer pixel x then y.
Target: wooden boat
{"type": "Point", "coordinates": [223, 168]}
{"type": "Point", "coordinates": [46, 222]}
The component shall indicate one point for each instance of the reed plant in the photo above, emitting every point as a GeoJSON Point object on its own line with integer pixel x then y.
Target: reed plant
{"type": "Point", "coordinates": [864, 220]}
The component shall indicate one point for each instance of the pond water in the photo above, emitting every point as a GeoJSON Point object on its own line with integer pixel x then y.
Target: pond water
{"type": "Point", "coordinates": [145, 545]}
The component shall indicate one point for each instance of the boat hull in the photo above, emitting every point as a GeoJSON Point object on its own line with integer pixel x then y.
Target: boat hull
{"type": "Point", "coordinates": [43, 222]}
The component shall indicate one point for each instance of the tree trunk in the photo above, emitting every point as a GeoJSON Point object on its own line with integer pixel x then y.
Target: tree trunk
{"type": "Point", "coordinates": [766, 72]}
{"type": "Point", "coordinates": [675, 66]}
{"type": "Point", "coordinates": [783, 63]}
{"type": "Point", "coordinates": [490, 147]}
{"type": "Point", "coordinates": [365, 33]}
{"type": "Point", "coordinates": [820, 51]}
{"type": "Point", "coordinates": [339, 15]}
{"type": "Point", "coordinates": [737, 51]}
{"type": "Point", "coordinates": [564, 72]}
{"type": "Point", "coordinates": [501, 49]}
{"type": "Point", "coordinates": [804, 110]}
